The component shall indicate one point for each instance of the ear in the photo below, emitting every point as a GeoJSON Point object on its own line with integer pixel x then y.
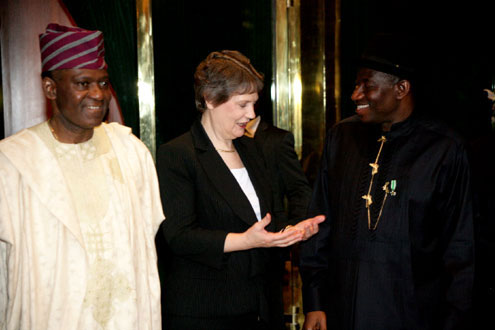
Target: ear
{"type": "Point", "coordinates": [209, 105]}
{"type": "Point", "coordinates": [49, 88]}
{"type": "Point", "coordinates": [402, 88]}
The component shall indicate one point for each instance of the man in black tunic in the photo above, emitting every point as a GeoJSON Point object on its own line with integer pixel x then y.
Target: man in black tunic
{"type": "Point", "coordinates": [396, 251]}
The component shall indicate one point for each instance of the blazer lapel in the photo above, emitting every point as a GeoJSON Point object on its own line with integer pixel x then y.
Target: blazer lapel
{"type": "Point", "coordinates": [251, 157]}
{"type": "Point", "coordinates": [259, 142]}
{"type": "Point", "coordinates": [259, 136]}
{"type": "Point", "coordinates": [220, 175]}
{"type": "Point", "coordinates": [257, 165]}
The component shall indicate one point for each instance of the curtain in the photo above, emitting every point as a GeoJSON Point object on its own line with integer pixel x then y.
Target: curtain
{"type": "Point", "coordinates": [21, 23]}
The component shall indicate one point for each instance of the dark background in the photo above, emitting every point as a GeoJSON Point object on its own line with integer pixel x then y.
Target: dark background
{"type": "Point", "coordinates": [454, 52]}
{"type": "Point", "coordinates": [456, 46]}
{"type": "Point", "coordinates": [185, 33]}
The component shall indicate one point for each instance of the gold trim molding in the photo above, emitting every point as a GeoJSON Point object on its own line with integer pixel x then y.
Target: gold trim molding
{"type": "Point", "coordinates": [146, 75]}
{"type": "Point", "coordinates": [287, 87]}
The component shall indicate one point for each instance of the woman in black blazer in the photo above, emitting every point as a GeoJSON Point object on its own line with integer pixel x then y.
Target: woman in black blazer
{"type": "Point", "coordinates": [217, 200]}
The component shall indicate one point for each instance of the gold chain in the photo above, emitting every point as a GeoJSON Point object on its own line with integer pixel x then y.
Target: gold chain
{"type": "Point", "coordinates": [369, 200]}
{"type": "Point", "coordinates": [53, 131]}
{"type": "Point", "coordinates": [223, 150]}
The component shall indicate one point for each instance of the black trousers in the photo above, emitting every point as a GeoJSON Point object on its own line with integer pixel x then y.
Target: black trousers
{"type": "Point", "coordinates": [241, 322]}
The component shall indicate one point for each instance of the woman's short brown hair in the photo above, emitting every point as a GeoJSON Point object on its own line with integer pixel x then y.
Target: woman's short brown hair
{"type": "Point", "coordinates": [223, 74]}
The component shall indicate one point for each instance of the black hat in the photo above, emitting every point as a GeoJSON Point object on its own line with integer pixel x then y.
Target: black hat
{"type": "Point", "coordinates": [390, 53]}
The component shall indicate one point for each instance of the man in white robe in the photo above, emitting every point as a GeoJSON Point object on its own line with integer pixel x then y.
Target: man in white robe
{"type": "Point", "coordinates": [79, 205]}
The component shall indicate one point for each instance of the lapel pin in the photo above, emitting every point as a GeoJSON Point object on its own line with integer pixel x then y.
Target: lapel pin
{"type": "Point", "coordinates": [393, 185]}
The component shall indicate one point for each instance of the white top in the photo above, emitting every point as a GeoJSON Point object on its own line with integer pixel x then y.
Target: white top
{"type": "Point", "coordinates": [242, 177]}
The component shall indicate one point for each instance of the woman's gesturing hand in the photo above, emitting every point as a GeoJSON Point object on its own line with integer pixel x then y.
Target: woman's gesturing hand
{"type": "Point", "coordinates": [310, 226]}
{"type": "Point", "coordinates": [257, 236]}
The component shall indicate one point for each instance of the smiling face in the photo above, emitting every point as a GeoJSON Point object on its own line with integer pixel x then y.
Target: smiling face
{"type": "Point", "coordinates": [230, 118]}
{"type": "Point", "coordinates": [377, 97]}
{"type": "Point", "coordinates": [80, 98]}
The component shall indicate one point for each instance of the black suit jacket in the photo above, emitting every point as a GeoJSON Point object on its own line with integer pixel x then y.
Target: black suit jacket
{"type": "Point", "coordinates": [203, 202]}
{"type": "Point", "coordinates": [292, 195]}
{"type": "Point", "coordinates": [288, 181]}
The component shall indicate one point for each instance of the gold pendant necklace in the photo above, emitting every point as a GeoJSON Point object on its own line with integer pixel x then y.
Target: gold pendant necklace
{"type": "Point", "coordinates": [224, 150]}
{"type": "Point", "coordinates": [52, 130]}
{"type": "Point", "coordinates": [369, 200]}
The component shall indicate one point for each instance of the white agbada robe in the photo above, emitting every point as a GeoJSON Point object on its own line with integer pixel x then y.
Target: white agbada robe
{"type": "Point", "coordinates": [77, 228]}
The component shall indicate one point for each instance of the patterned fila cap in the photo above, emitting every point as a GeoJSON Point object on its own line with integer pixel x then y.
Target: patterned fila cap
{"type": "Point", "coordinates": [64, 47]}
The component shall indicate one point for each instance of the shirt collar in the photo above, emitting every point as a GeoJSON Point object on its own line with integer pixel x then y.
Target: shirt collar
{"type": "Point", "coordinates": [401, 128]}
